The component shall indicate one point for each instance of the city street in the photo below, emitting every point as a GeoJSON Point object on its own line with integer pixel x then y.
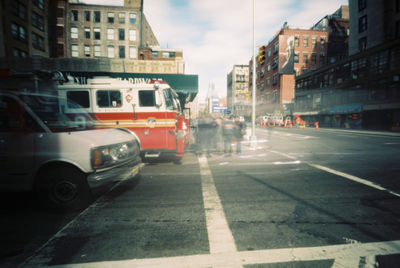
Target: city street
{"type": "Point", "coordinates": [294, 198]}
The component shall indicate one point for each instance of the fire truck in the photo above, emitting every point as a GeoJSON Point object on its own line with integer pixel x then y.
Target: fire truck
{"type": "Point", "coordinates": [150, 111]}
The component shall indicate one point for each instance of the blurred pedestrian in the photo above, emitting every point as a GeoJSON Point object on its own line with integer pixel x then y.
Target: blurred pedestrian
{"type": "Point", "coordinates": [228, 127]}
{"type": "Point", "coordinates": [206, 131]}
{"type": "Point", "coordinates": [239, 131]}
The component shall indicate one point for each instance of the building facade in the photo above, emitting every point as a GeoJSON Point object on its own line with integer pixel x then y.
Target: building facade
{"type": "Point", "coordinates": [290, 52]}
{"type": "Point", "coordinates": [362, 91]}
{"type": "Point", "coordinates": [238, 92]}
{"type": "Point", "coordinates": [337, 26]}
{"type": "Point", "coordinates": [24, 28]}
{"type": "Point", "coordinates": [372, 23]}
{"type": "Point", "coordinates": [119, 33]}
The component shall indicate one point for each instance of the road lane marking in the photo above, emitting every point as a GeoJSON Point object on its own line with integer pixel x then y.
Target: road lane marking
{"type": "Point", "coordinates": [219, 235]}
{"type": "Point", "coordinates": [354, 178]}
{"type": "Point", "coordinates": [342, 174]}
{"type": "Point", "coordinates": [345, 255]}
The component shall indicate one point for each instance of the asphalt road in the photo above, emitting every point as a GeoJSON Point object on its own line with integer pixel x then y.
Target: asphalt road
{"type": "Point", "coordinates": [294, 198]}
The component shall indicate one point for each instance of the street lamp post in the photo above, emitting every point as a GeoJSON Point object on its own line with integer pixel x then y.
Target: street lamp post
{"type": "Point", "coordinates": [253, 114]}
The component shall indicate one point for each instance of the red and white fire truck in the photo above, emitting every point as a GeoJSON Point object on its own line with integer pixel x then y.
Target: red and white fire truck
{"type": "Point", "coordinates": [151, 111]}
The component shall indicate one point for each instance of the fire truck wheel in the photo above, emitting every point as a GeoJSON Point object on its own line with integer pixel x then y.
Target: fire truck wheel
{"type": "Point", "coordinates": [177, 160]}
{"type": "Point", "coordinates": [63, 189]}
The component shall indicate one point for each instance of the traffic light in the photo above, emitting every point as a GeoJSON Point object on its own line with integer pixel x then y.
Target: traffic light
{"type": "Point", "coordinates": [261, 54]}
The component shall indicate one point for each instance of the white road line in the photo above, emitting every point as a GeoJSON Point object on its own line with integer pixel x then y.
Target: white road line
{"type": "Point", "coordinates": [354, 178]}
{"type": "Point", "coordinates": [219, 235]}
{"type": "Point", "coordinates": [342, 174]}
{"type": "Point", "coordinates": [347, 255]}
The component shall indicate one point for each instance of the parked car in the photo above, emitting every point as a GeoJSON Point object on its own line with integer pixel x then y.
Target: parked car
{"type": "Point", "coordinates": [59, 156]}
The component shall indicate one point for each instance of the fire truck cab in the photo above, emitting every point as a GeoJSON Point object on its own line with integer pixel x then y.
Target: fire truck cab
{"type": "Point", "coordinates": [151, 111]}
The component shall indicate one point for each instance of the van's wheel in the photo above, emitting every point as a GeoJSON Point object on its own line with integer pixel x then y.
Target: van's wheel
{"type": "Point", "coordinates": [63, 188]}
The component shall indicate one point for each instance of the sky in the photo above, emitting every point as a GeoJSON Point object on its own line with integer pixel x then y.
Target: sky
{"type": "Point", "coordinates": [214, 35]}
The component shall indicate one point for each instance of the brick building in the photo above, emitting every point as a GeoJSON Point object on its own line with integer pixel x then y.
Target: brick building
{"type": "Point", "coordinates": [290, 52]}
{"type": "Point", "coordinates": [363, 90]}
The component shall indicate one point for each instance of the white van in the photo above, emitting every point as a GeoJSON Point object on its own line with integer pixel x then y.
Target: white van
{"type": "Point", "coordinates": [59, 157]}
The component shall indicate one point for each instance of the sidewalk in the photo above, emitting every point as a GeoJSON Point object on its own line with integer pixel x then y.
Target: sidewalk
{"type": "Point", "coordinates": [345, 130]}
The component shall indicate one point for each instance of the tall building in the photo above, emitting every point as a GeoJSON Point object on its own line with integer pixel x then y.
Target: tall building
{"type": "Point", "coordinates": [363, 90]}
{"type": "Point", "coordinates": [373, 23]}
{"type": "Point", "coordinates": [119, 33]}
{"type": "Point", "coordinates": [238, 93]}
{"type": "Point", "coordinates": [24, 28]}
{"type": "Point", "coordinates": [290, 52]}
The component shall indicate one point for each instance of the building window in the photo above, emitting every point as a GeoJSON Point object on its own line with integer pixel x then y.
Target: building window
{"type": "Point", "coordinates": [121, 34]}
{"type": "Point", "coordinates": [268, 67]}
{"type": "Point", "coordinates": [96, 33]}
{"type": "Point", "coordinates": [362, 4]}
{"type": "Point", "coordinates": [37, 21]}
{"type": "Point", "coordinates": [305, 57]}
{"type": "Point", "coordinates": [110, 52]}
{"type": "Point", "coordinates": [154, 54]}
{"type": "Point", "coordinates": [313, 58]}
{"type": "Point", "coordinates": [322, 42]}
{"type": "Point", "coordinates": [87, 51]}
{"type": "Point", "coordinates": [275, 79]}
{"type": "Point", "coordinates": [60, 31]}
{"type": "Point", "coordinates": [74, 32]}
{"type": "Point", "coordinates": [362, 44]}
{"type": "Point", "coordinates": [18, 9]}
{"type": "Point", "coordinates": [60, 12]}
{"type": "Point", "coordinates": [60, 50]}
{"type": "Point", "coordinates": [132, 35]}
{"type": "Point", "coordinates": [38, 42]}
{"type": "Point", "coordinates": [313, 41]}
{"type": "Point", "coordinates": [38, 3]}
{"type": "Point", "coordinates": [321, 59]}
{"type": "Point", "coordinates": [296, 41]}
{"type": "Point", "coordinates": [362, 24]}
{"type": "Point", "coordinates": [269, 53]}
{"type": "Point", "coordinates": [18, 32]}
{"type": "Point", "coordinates": [121, 18]}
{"type": "Point", "coordinates": [275, 63]}
{"type": "Point", "coordinates": [97, 16]}
{"type": "Point", "coordinates": [132, 18]}
{"type": "Point", "coordinates": [87, 33]}
{"type": "Point", "coordinates": [305, 41]}
{"type": "Point", "coordinates": [132, 52]}
{"type": "Point", "coordinates": [74, 51]}
{"type": "Point", "coordinates": [110, 34]}
{"type": "Point", "coordinates": [110, 17]}
{"type": "Point", "coordinates": [97, 51]}
{"type": "Point", "coordinates": [268, 81]}
{"type": "Point", "coordinates": [276, 47]}
{"type": "Point", "coordinates": [165, 55]}
{"type": "Point", "coordinates": [87, 15]}
{"type": "Point", "coordinates": [296, 57]}
{"type": "Point", "coordinates": [74, 15]}
{"type": "Point", "coordinates": [121, 50]}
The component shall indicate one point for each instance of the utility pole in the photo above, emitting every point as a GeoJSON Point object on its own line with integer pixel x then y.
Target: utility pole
{"type": "Point", "coordinates": [253, 114]}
